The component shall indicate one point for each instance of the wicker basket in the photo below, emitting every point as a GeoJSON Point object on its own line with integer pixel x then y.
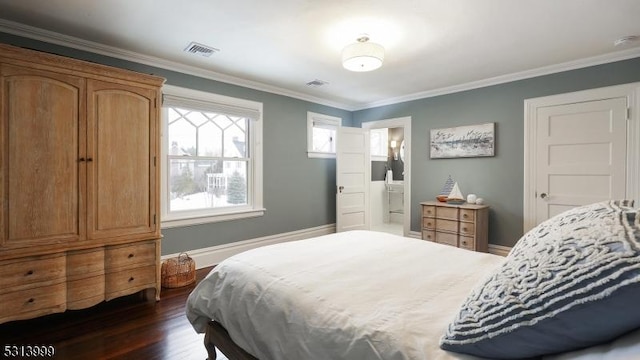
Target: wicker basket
{"type": "Point", "coordinates": [178, 271]}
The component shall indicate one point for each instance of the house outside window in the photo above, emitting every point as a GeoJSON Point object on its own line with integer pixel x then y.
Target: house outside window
{"type": "Point", "coordinates": [212, 156]}
{"type": "Point", "coordinates": [321, 135]}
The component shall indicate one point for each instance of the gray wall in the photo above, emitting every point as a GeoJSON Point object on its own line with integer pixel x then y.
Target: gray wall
{"type": "Point", "coordinates": [299, 192]}
{"type": "Point", "coordinates": [498, 179]}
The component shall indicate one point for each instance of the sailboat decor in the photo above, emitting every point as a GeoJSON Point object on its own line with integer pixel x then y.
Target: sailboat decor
{"type": "Point", "coordinates": [455, 197]}
{"type": "Point", "coordinates": [446, 190]}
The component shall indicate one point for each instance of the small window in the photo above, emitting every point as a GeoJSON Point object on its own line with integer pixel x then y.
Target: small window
{"type": "Point", "coordinates": [212, 158]}
{"type": "Point", "coordinates": [321, 135]}
{"type": "Point", "coordinates": [379, 144]}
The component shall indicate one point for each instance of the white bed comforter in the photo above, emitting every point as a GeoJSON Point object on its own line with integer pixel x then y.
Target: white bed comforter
{"type": "Point", "coordinates": [356, 295]}
{"type": "Point", "coordinates": [352, 295]}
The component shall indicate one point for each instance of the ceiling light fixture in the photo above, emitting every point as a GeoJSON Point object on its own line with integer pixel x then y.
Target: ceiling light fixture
{"type": "Point", "coordinates": [362, 55]}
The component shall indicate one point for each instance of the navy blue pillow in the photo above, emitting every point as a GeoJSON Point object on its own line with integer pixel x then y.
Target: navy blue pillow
{"type": "Point", "coordinates": [569, 283]}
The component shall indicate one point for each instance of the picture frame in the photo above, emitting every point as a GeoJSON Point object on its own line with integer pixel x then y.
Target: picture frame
{"type": "Point", "coordinates": [463, 141]}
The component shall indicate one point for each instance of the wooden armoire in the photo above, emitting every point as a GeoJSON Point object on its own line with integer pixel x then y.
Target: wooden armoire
{"type": "Point", "coordinates": [79, 183]}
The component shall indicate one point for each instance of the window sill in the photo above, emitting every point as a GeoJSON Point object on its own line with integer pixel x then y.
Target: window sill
{"type": "Point", "coordinates": [193, 220]}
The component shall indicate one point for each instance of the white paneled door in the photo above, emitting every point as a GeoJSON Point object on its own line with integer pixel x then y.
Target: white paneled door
{"type": "Point", "coordinates": [353, 175]}
{"type": "Point", "coordinates": [581, 154]}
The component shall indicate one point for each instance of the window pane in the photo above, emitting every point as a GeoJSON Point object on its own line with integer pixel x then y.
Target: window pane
{"type": "Point", "coordinates": [206, 184]}
{"type": "Point", "coordinates": [323, 139]}
{"type": "Point", "coordinates": [182, 138]}
{"type": "Point", "coordinates": [235, 140]}
{"type": "Point", "coordinates": [379, 142]}
{"type": "Point", "coordinates": [209, 140]}
{"type": "Point", "coordinates": [236, 172]}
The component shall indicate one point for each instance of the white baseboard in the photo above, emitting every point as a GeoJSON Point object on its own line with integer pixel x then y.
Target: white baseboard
{"type": "Point", "coordinates": [215, 254]}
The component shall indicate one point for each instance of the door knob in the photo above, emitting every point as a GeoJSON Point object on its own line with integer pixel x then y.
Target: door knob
{"type": "Point", "coordinates": [340, 188]}
{"type": "Point", "coordinates": [543, 195]}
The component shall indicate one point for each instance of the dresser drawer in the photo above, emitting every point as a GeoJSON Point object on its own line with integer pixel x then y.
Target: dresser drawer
{"type": "Point", "coordinates": [29, 303]}
{"type": "Point", "coordinates": [447, 239]}
{"type": "Point", "coordinates": [117, 257]}
{"type": "Point", "coordinates": [467, 228]}
{"type": "Point", "coordinates": [32, 270]}
{"type": "Point", "coordinates": [428, 223]}
{"type": "Point", "coordinates": [428, 211]}
{"type": "Point", "coordinates": [444, 212]}
{"type": "Point", "coordinates": [467, 215]}
{"type": "Point", "coordinates": [429, 235]}
{"type": "Point", "coordinates": [467, 242]}
{"type": "Point", "coordinates": [446, 225]}
{"type": "Point", "coordinates": [129, 281]}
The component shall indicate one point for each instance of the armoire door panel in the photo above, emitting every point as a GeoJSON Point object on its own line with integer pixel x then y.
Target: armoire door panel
{"type": "Point", "coordinates": [43, 187]}
{"type": "Point", "coordinates": [121, 173]}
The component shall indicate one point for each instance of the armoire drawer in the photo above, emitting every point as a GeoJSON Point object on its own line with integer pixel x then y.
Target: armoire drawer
{"type": "Point", "coordinates": [129, 281]}
{"type": "Point", "coordinates": [31, 270]}
{"type": "Point", "coordinates": [32, 302]}
{"type": "Point", "coordinates": [85, 292]}
{"type": "Point", "coordinates": [85, 263]}
{"type": "Point", "coordinates": [117, 257]}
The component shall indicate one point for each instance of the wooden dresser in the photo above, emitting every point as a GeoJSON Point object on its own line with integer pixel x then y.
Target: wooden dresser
{"type": "Point", "coordinates": [464, 226]}
{"type": "Point", "coordinates": [79, 183]}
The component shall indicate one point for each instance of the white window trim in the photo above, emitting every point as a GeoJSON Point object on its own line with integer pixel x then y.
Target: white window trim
{"type": "Point", "coordinates": [256, 207]}
{"type": "Point", "coordinates": [325, 120]}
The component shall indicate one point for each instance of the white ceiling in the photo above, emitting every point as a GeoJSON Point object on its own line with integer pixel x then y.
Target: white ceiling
{"type": "Point", "coordinates": [432, 46]}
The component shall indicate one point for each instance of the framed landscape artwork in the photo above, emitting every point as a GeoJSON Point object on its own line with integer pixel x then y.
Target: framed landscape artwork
{"type": "Point", "coordinates": [463, 141]}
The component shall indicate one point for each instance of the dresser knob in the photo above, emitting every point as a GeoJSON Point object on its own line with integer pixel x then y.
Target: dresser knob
{"type": "Point", "coordinates": [131, 255]}
{"type": "Point", "coordinates": [30, 272]}
{"type": "Point", "coordinates": [131, 279]}
{"type": "Point", "coordinates": [31, 300]}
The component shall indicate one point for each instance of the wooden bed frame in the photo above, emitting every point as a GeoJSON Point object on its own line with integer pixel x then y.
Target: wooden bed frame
{"type": "Point", "coordinates": [216, 336]}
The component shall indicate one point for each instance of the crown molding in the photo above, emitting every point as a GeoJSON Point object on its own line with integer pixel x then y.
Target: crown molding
{"type": "Point", "coordinates": [34, 33]}
{"type": "Point", "coordinates": [52, 37]}
{"type": "Point", "coordinates": [502, 79]}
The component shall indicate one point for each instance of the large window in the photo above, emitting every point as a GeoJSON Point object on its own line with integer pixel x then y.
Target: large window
{"type": "Point", "coordinates": [321, 134]}
{"type": "Point", "coordinates": [212, 157]}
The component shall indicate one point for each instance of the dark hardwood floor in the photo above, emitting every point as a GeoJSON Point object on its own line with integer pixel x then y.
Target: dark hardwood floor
{"type": "Point", "coordinates": [125, 328]}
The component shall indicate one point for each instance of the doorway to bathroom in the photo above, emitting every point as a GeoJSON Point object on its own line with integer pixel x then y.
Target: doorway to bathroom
{"type": "Point", "coordinates": [390, 189]}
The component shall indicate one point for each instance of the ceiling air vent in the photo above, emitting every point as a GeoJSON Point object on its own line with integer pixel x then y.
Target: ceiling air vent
{"type": "Point", "coordinates": [316, 83]}
{"type": "Point", "coordinates": [200, 49]}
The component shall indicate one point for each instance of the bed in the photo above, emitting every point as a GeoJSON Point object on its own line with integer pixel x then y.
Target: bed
{"type": "Point", "coordinates": [362, 295]}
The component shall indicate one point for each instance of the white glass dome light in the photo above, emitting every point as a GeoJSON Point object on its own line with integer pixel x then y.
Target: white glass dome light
{"type": "Point", "coordinates": [363, 55]}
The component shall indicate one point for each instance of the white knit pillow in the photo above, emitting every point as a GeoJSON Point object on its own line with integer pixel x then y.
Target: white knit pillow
{"type": "Point", "coordinates": [569, 283]}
